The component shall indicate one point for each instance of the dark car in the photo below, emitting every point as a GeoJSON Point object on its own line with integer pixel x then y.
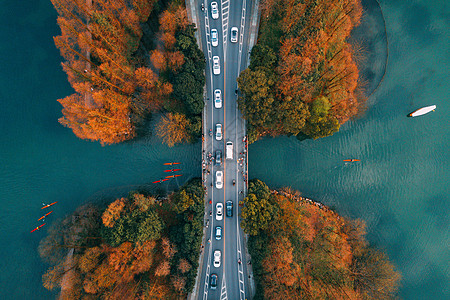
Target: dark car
{"type": "Point", "coordinates": [213, 281]}
{"type": "Point", "coordinates": [229, 208]}
{"type": "Point", "coordinates": [218, 157]}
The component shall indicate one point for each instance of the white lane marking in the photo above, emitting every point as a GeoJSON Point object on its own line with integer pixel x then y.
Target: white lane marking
{"type": "Point", "coordinates": [207, 31]}
{"type": "Point", "coordinates": [225, 11]}
{"type": "Point", "coordinates": [205, 289]}
{"type": "Point", "coordinates": [223, 289]}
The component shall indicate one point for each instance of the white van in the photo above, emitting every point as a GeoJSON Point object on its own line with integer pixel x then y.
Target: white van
{"type": "Point", "coordinates": [229, 150]}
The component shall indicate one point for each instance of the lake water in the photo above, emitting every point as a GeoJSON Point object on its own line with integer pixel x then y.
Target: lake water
{"type": "Point", "coordinates": [399, 188]}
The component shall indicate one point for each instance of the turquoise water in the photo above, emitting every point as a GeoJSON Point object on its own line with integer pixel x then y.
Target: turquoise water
{"type": "Point", "coordinates": [399, 188]}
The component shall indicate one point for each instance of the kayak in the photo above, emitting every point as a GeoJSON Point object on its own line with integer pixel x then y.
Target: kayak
{"type": "Point", "coordinates": [422, 111]}
{"type": "Point", "coordinates": [37, 228]}
{"type": "Point", "coordinates": [173, 170]}
{"type": "Point", "coordinates": [172, 163]}
{"type": "Point", "coordinates": [43, 217]}
{"type": "Point", "coordinates": [159, 181]}
{"type": "Point", "coordinates": [171, 176]}
{"type": "Point", "coordinates": [178, 175]}
{"type": "Point", "coordinates": [351, 160]}
{"type": "Point", "coordinates": [48, 205]}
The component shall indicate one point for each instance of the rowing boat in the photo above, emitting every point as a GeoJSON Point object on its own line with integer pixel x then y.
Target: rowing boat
{"type": "Point", "coordinates": [48, 205]}
{"type": "Point", "coordinates": [37, 228]}
{"type": "Point", "coordinates": [422, 111]}
{"type": "Point", "coordinates": [173, 170]}
{"type": "Point", "coordinates": [43, 217]}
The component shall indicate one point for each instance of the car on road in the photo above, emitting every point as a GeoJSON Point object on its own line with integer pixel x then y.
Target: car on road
{"type": "Point", "coordinates": [219, 179]}
{"type": "Point", "coordinates": [218, 233]}
{"type": "Point", "coordinates": [214, 10]}
{"type": "Point", "coordinates": [218, 157]}
{"type": "Point", "coordinates": [214, 38]}
{"type": "Point", "coordinates": [213, 281]}
{"type": "Point", "coordinates": [217, 98]}
{"type": "Point", "coordinates": [229, 208]}
{"type": "Point", "coordinates": [217, 256]}
{"type": "Point", "coordinates": [219, 211]}
{"type": "Point", "coordinates": [216, 65]}
{"type": "Point", "coordinates": [229, 150]}
{"type": "Point", "coordinates": [234, 35]}
{"type": "Point", "coordinates": [219, 132]}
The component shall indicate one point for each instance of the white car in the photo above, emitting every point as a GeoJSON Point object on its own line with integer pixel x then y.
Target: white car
{"type": "Point", "coordinates": [234, 35]}
{"type": "Point", "coordinates": [217, 256]}
{"type": "Point", "coordinates": [214, 10]}
{"type": "Point", "coordinates": [218, 233]}
{"type": "Point", "coordinates": [214, 38]}
{"type": "Point", "coordinates": [219, 211]}
{"type": "Point", "coordinates": [219, 132]}
{"type": "Point", "coordinates": [216, 65]}
{"type": "Point", "coordinates": [218, 98]}
{"type": "Point", "coordinates": [219, 179]}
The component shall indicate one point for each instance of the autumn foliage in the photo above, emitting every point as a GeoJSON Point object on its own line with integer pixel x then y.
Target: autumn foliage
{"type": "Point", "coordinates": [302, 77]}
{"type": "Point", "coordinates": [118, 80]}
{"type": "Point", "coordinates": [306, 251]}
{"type": "Point", "coordinates": [132, 250]}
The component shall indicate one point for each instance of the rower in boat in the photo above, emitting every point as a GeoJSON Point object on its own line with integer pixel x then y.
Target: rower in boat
{"type": "Point", "coordinates": [37, 228]}
{"type": "Point", "coordinates": [48, 205]}
{"type": "Point", "coordinates": [43, 217]}
{"type": "Point", "coordinates": [172, 170]}
{"type": "Point", "coordinates": [160, 181]}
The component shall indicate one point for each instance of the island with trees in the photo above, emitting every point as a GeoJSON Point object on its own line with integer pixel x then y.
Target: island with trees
{"type": "Point", "coordinates": [301, 249]}
{"type": "Point", "coordinates": [123, 67]}
{"type": "Point", "coordinates": [303, 77]}
{"type": "Point", "coordinates": [137, 247]}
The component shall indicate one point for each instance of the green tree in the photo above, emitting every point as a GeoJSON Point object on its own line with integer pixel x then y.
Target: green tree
{"type": "Point", "coordinates": [321, 123]}
{"type": "Point", "coordinates": [256, 214]}
{"type": "Point", "coordinates": [256, 102]}
{"type": "Point", "coordinates": [292, 115]}
{"type": "Point", "coordinates": [259, 188]}
{"type": "Point", "coordinates": [150, 228]}
{"type": "Point", "coordinates": [182, 201]}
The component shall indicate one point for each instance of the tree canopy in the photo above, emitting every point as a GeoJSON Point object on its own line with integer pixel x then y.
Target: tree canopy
{"type": "Point", "coordinates": [302, 60]}
{"type": "Point", "coordinates": [303, 250]}
{"type": "Point", "coordinates": [140, 246]}
{"type": "Point", "coordinates": [118, 79]}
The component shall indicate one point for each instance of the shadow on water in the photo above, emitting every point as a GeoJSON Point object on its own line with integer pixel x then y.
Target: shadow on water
{"type": "Point", "coordinates": [370, 36]}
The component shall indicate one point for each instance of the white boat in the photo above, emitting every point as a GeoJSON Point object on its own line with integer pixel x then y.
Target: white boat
{"type": "Point", "coordinates": [422, 111]}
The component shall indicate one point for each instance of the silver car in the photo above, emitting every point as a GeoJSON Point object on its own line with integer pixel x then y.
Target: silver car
{"type": "Point", "coordinates": [214, 10]}
{"type": "Point", "coordinates": [219, 180]}
{"type": "Point", "coordinates": [216, 65]}
{"type": "Point", "coordinates": [219, 132]}
{"type": "Point", "coordinates": [214, 38]}
{"type": "Point", "coordinates": [217, 256]}
{"type": "Point", "coordinates": [218, 233]}
{"type": "Point", "coordinates": [218, 98]}
{"type": "Point", "coordinates": [219, 211]}
{"type": "Point", "coordinates": [234, 35]}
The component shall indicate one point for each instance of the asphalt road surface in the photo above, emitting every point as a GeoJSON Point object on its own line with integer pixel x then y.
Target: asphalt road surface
{"type": "Point", "coordinates": [232, 275]}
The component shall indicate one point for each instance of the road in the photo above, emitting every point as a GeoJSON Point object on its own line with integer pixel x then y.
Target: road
{"type": "Point", "coordinates": [232, 274]}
